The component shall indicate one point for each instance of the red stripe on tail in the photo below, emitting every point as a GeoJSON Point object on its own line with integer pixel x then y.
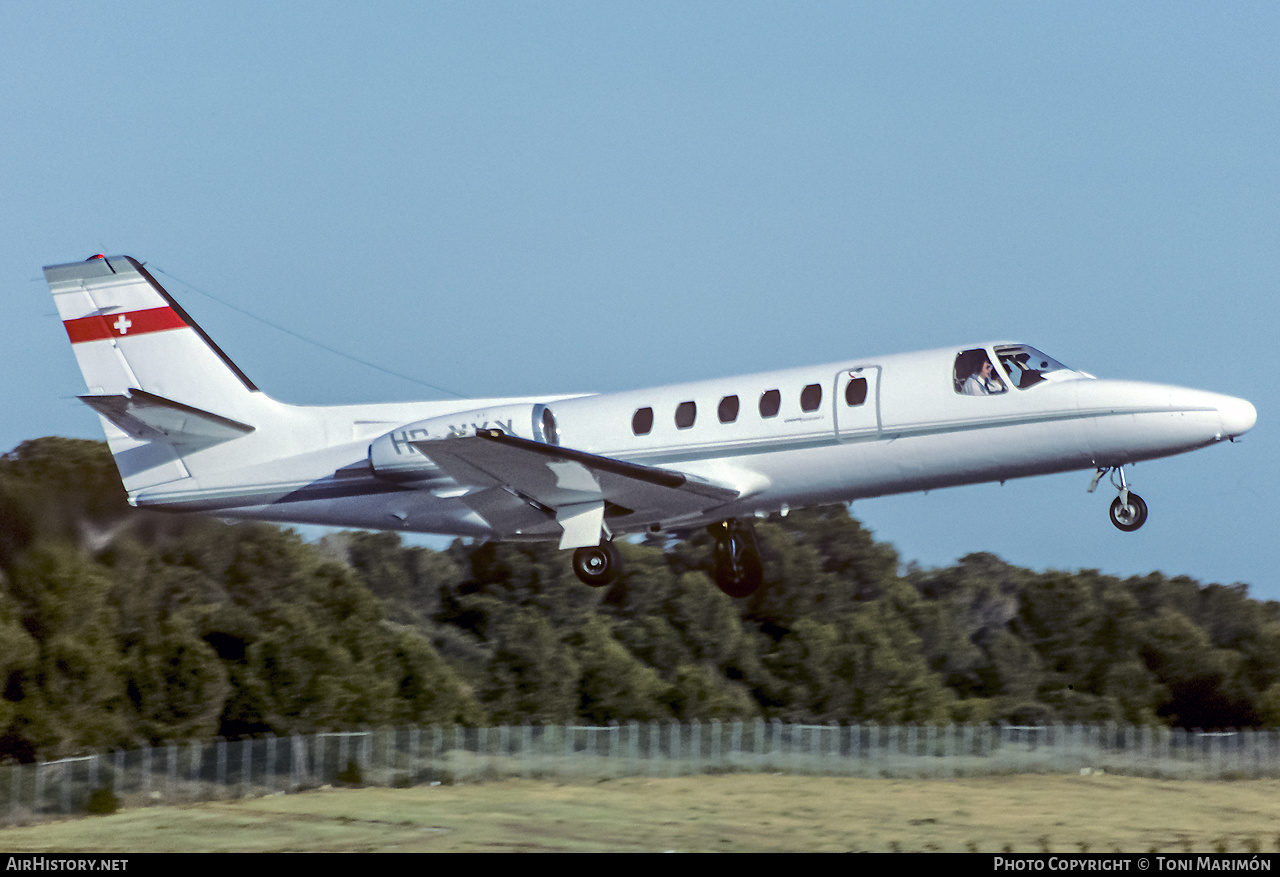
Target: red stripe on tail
{"type": "Point", "coordinates": [123, 325]}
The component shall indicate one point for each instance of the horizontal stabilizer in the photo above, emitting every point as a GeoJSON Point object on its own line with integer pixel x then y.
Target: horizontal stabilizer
{"type": "Point", "coordinates": [148, 417]}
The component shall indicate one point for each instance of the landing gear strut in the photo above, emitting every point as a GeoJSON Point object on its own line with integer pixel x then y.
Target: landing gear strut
{"type": "Point", "coordinates": [597, 565]}
{"type": "Point", "coordinates": [738, 571]}
{"type": "Point", "coordinates": [1128, 510]}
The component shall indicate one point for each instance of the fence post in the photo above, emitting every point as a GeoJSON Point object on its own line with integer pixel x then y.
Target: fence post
{"type": "Point", "coordinates": [387, 753]}
{"type": "Point", "coordinates": [1164, 754]}
{"type": "Point", "coordinates": [197, 766]}
{"type": "Point", "coordinates": [695, 747]}
{"type": "Point", "coordinates": [655, 747]}
{"type": "Point", "coordinates": [633, 748]}
{"type": "Point", "coordinates": [246, 766]}
{"type": "Point", "coordinates": [415, 751]}
{"type": "Point", "coordinates": [39, 794]}
{"type": "Point", "coordinates": [931, 745]}
{"type": "Point", "coordinates": [366, 754]}
{"type": "Point", "coordinates": [171, 771]}
{"type": "Point", "coordinates": [619, 753]}
{"type": "Point", "coordinates": [15, 791]}
{"type": "Point", "coordinates": [220, 753]}
{"type": "Point", "coordinates": [571, 764]}
{"type": "Point", "coordinates": [855, 750]}
{"type": "Point", "coordinates": [299, 758]}
{"type": "Point", "coordinates": [271, 763]}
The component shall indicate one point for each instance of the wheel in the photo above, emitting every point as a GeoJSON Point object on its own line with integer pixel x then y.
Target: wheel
{"type": "Point", "coordinates": [1130, 517]}
{"type": "Point", "coordinates": [738, 571]}
{"type": "Point", "coordinates": [598, 565]}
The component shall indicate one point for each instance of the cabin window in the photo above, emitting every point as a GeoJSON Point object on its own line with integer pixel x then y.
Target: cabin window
{"type": "Point", "coordinates": [642, 422]}
{"type": "Point", "coordinates": [686, 413]}
{"type": "Point", "coordinates": [770, 402]}
{"type": "Point", "coordinates": [811, 397]}
{"type": "Point", "coordinates": [728, 409]}
{"type": "Point", "coordinates": [974, 374]}
{"type": "Point", "coordinates": [549, 431]}
{"type": "Point", "coordinates": [855, 393]}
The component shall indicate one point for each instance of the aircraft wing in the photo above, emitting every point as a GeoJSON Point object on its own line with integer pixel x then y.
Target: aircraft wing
{"type": "Point", "coordinates": [515, 478]}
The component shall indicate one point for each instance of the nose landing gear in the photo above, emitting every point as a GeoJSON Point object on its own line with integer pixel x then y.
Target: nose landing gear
{"type": "Point", "coordinates": [1128, 510]}
{"type": "Point", "coordinates": [1128, 516]}
{"type": "Point", "coordinates": [738, 571]}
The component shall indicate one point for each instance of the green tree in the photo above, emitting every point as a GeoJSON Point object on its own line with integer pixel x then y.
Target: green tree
{"type": "Point", "coordinates": [533, 675]}
{"type": "Point", "coordinates": [75, 695]}
{"type": "Point", "coordinates": [612, 684]}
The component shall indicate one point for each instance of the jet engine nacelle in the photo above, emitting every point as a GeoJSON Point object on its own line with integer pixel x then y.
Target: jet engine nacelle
{"type": "Point", "coordinates": [394, 456]}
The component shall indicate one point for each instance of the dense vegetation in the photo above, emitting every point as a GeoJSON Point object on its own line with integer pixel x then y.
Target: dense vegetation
{"type": "Point", "coordinates": [120, 627]}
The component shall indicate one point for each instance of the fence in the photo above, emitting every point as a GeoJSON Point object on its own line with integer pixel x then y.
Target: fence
{"type": "Point", "coordinates": [189, 772]}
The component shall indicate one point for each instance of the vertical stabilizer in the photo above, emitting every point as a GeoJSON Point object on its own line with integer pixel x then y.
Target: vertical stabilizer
{"type": "Point", "coordinates": [162, 387]}
{"type": "Point", "coordinates": [127, 332]}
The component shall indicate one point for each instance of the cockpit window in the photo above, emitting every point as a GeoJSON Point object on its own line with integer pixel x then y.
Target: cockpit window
{"type": "Point", "coordinates": [1027, 366]}
{"type": "Point", "coordinates": [975, 375]}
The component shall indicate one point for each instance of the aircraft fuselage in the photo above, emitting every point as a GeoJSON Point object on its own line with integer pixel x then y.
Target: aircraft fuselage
{"type": "Point", "coordinates": [910, 432]}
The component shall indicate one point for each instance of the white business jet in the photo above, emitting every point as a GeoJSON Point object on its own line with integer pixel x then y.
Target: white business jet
{"type": "Point", "coordinates": [190, 432]}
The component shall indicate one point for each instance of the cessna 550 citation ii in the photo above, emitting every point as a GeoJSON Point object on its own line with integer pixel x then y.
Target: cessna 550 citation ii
{"type": "Point", "coordinates": [190, 432]}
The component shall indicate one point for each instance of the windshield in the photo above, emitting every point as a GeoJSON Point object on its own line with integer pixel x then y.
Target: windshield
{"type": "Point", "coordinates": [1027, 366]}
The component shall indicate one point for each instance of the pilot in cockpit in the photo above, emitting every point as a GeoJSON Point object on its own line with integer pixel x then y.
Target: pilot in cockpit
{"type": "Point", "coordinates": [984, 381]}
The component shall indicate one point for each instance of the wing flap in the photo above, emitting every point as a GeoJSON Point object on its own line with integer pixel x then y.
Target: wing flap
{"type": "Point", "coordinates": [581, 488]}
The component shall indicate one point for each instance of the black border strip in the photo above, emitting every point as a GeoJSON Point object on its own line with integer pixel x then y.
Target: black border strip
{"type": "Point", "coordinates": [155, 284]}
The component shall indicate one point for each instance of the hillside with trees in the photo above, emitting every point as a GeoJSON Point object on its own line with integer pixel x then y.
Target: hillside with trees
{"type": "Point", "coordinates": [121, 627]}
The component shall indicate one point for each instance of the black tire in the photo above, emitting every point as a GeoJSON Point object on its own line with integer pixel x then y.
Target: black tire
{"type": "Point", "coordinates": [1131, 517]}
{"type": "Point", "coordinates": [598, 565]}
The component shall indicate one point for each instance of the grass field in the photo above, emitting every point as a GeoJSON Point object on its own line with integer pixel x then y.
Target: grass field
{"type": "Point", "coordinates": [738, 812]}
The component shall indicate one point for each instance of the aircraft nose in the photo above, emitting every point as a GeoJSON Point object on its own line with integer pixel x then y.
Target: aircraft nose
{"type": "Point", "coordinates": [1238, 416]}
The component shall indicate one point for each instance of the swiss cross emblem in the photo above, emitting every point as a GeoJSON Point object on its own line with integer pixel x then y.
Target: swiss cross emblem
{"type": "Point", "coordinates": [122, 325]}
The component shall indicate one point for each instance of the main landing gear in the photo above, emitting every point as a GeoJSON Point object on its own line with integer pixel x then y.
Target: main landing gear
{"type": "Point", "coordinates": [1128, 510]}
{"type": "Point", "coordinates": [598, 565]}
{"type": "Point", "coordinates": [735, 557]}
{"type": "Point", "coordinates": [738, 571]}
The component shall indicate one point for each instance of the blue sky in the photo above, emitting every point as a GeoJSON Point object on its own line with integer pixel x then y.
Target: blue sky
{"type": "Point", "coordinates": [517, 198]}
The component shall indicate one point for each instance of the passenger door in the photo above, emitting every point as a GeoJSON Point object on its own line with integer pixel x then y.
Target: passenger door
{"type": "Point", "coordinates": [857, 402]}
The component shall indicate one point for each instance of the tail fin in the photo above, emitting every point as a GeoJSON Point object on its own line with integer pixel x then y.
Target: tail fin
{"type": "Point", "coordinates": [152, 373]}
{"type": "Point", "coordinates": [128, 333]}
